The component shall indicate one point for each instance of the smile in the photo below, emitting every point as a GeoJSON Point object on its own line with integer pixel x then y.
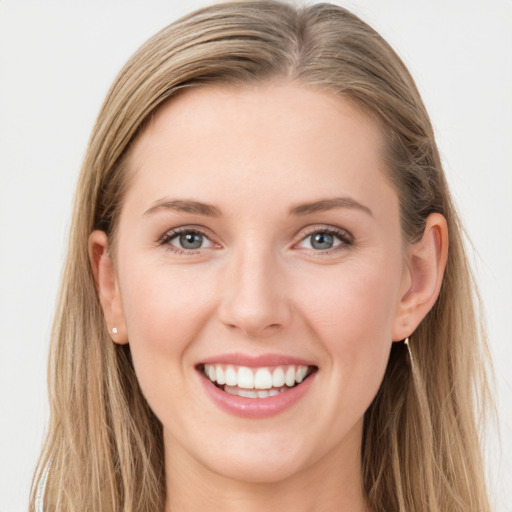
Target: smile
{"type": "Point", "coordinates": [256, 383]}
{"type": "Point", "coordinates": [256, 386]}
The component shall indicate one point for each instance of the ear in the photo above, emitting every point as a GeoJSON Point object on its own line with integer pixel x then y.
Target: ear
{"type": "Point", "coordinates": [426, 262]}
{"type": "Point", "coordinates": [107, 286]}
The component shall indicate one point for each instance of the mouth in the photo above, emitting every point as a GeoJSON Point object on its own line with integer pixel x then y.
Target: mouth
{"type": "Point", "coordinates": [256, 382]}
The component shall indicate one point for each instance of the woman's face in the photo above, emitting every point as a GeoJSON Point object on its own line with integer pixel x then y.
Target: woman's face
{"type": "Point", "coordinates": [259, 242]}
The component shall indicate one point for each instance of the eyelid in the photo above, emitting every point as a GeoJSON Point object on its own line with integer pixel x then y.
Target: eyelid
{"type": "Point", "coordinates": [345, 237]}
{"type": "Point", "coordinates": [170, 234]}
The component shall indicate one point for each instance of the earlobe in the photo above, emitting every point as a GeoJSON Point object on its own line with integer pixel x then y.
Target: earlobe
{"type": "Point", "coordinates": [107, 286]}
{"type": "Point", "coordinates": [426, 262]}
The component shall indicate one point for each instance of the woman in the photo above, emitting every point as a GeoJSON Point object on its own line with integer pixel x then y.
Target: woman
{"type": "Point", "coordinates": [260, 306]}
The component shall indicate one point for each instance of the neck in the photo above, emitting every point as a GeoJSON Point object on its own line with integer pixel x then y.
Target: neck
{"type": "Point", "coordinates": [331, 484]}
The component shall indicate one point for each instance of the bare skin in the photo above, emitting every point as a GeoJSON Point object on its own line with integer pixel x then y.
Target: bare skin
{"type": "Point", "coordinates": [261, 222]}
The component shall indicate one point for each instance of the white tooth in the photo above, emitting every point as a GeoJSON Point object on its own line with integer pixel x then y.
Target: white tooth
{"type": "Point", "coordinates": [230, 376]}
{"type": "Point", "coordinates": [212, 374]}
{"type": "Point", "coordinates": [290, 376]}
{"type": "Point", "coordinates": [264, 393]}
{"type": "Point", "coordinates": [301, 373]}
{"type": "Point", "coordinates": [221, 377]}
{"type": "Point", "coordinates": [245, 378]}
{"type": "Point", "coordinates": [248, 393]}
{"type": "Point", "coordinates": [278, 377]}
{"type": "Point", "coordinates": [273, 392]}
{"type": "Point", "coordinates": [231, 391]}
{"type": "Point", "coordinates": [263, 379]}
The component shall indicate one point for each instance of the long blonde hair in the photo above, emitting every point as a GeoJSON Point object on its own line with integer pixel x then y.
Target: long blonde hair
{"type": "Point", "coordinates": [420, 451]}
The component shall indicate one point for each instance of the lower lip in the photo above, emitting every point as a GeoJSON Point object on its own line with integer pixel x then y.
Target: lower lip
{"type": "Point", "coordinates": [256, 407]}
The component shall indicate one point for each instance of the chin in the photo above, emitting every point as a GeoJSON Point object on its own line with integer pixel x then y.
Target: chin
{"type": "Point", "coordinates": [258, 458]}
{"type": "Point", "coordinates": [262, 470]}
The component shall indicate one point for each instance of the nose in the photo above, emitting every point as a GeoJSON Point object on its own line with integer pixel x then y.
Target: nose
{"type": "Point", "coordinates": [254, 298]}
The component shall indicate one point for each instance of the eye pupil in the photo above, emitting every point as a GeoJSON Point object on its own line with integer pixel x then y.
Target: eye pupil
{"type": "Point", "coordinates": [322, 241]}
{"type": "Point", "coordinates": [191, 240]}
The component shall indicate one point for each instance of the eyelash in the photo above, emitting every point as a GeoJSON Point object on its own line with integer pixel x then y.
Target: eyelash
{"type": "Point", "coordinates": [345, 239]}
{"type": "Point", "coordinates": [174, 233]}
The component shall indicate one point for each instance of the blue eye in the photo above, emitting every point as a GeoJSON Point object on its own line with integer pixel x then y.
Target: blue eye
{"type": "Point", "coordinates": [185, 240]}
{"type": "Point", "coordinates": [324, 240]}
{"type": "Point", "coordinates": [189, 240]}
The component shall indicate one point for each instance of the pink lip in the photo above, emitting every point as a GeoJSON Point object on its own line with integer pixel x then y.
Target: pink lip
{"type": "Point", "coordinates": [256, 361]}
{"type": "Point", "coordinates": [256, 407]}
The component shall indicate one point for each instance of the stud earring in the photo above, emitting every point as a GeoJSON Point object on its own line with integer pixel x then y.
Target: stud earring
{"type": "Point", "coordinates": [114, 330]}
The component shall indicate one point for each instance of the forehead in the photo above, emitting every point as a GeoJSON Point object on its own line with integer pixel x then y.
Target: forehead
{"type": "Point", "coordinates": [225, 141]}
{"type": "Point", "coordinates": [199, 111]}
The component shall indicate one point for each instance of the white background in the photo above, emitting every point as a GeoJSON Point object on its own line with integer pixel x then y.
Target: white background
{"type": "Point", "coordinates": [57, 60]}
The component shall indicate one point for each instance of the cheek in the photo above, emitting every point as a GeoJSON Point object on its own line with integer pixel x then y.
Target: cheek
{"type": "Point", "coordinates": [164, 311]}
{"type": "Point", "coordinates": [357, 303]}
{"type": "Point", "coordinates": [162, 301]}
{"type": "Point", "coordinates": [352, 315]}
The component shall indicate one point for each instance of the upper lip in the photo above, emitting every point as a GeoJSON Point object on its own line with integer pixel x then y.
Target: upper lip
{"type": "Point", "coordinates": [237, 359]}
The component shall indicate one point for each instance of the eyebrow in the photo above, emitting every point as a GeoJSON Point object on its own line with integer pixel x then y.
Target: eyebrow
{"type": "Point", "coordinates": [184, 205]}
{"type": "Point", "coordinates": [196, 207]}
{"type": "Point", "coordinates": [329, 204]}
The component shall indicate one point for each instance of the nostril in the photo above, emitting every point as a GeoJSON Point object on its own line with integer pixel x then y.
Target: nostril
{"type": "Point", "coordinates": [254, 327]}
